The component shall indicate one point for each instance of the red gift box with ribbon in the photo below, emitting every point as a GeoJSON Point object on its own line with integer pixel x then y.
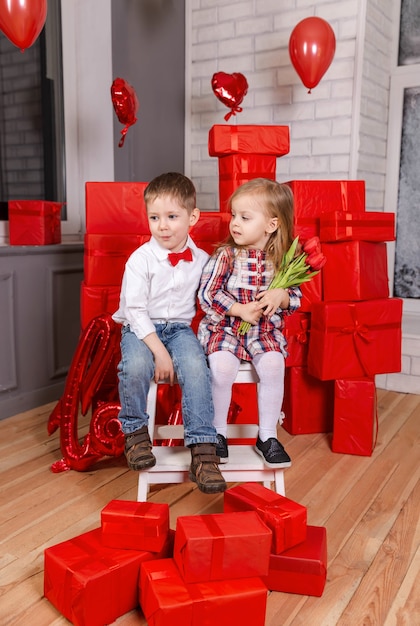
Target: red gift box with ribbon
{"type": "Point", "coordinates": [34, 222]}
{"type": "Point", "coordinates": [221, 546]}
{"type": "Point", "coordinates": [355, 270]}
{"type": "Point", "coordinates": [135, 525]}
{"type": "Point", "coordinates": [296, 331]}
{"type": "Point", "coordinates": [308, 403]}
{"type": "Point", "coordinates": [312, 198]}
{"type": "Point", "coordinates": [285, 518]}
{"type": "Point", "coordinates": [105, 257]}
{"type": "Point", "coordinates": [116, 208]}
{"type": "Point", "coordinates": [91, 584]}
{"type": "Point", "coordinates": [167, 600]}
{"type": "Point", "coordinates": [248, 139]}
{"type": "Point", "coordinates": [97, 300]}
{"type": "Point", "coordinates": [303, 568]}
{"type": "Point", "coordinates": [362, 226]}
{"type": "Point", "coordinates": [355, 416]}
{"type": "Point", "coordinates": [355, 339]}
{"type": "Point", "coordinates": [236, 169]}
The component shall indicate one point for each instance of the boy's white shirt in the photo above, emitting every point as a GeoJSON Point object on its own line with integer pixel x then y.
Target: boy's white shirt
{"type": "Point", "coordinates": [153, 291]}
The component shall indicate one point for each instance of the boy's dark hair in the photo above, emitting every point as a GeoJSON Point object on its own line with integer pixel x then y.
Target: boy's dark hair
{"type": "Point", "coordinates": [175, 185]}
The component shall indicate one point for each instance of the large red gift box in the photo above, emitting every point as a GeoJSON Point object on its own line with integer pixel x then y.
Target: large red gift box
{"type": "Point", "coordinates": [221, 546]}
{"type": "Point", "coordinates": [106, 255]}
{"type": "Point", "coordinates": [308, 403]}
{"type": "Point", "coordinates": [355, 270]}
{"type": "Point", "coordinates": [91, 584]}
{"type": "Point", "coordinates": [355, 339]}
{"type": "Point", "coordinates": [167, 600]}
{"type": "Point", "coordinates": [361, 226]}
{"type": "Point", "coordinates": [135, 525]}
{"type": "Point", "coordinates": [248, 139]}
{"type": "Point", "coordinates": [116, 208]}
{"type": "Point", "coordinates": [97, 300]}
{"type": "Point", "coordinates": [303, 568]}
{"type": "Point", "coordinates": [237, 169]}
{"type": "Point", "coordinates": [312, 198]}
{"type": "Point", "coordinates": [296, 331]}
{"type": "Point", "coordinates": [355, 416]}
{"type": "Point", "coordinates": [34, 222]}
{"type": "Point", "coordinates": [286, 518]}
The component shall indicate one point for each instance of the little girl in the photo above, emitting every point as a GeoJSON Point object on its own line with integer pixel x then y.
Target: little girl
{"type": "Point", "coordinates": [234, 288]}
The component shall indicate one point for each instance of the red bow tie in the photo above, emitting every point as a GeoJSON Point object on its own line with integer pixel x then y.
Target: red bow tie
{"type": "Point", "coordinates": [175, 257]}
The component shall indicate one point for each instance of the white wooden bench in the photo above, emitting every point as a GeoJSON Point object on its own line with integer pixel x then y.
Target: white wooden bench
{"type": "Point", "coordinates": [173, 462]}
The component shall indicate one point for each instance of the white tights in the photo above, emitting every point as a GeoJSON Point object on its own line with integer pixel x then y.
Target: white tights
{"type": "Point", "coordinates": [270, 369]}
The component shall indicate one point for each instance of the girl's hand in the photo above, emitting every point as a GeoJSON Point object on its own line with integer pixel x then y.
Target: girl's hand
{"type": "Point", "coordinates": [250, 312]}
{"type": "Point", "coordinates": [272, 299]}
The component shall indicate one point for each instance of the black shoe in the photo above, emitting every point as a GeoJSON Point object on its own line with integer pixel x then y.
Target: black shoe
{"type": "Point", "coordinates": [273, 453]}
{"type": "Point", "coordinates": [138, 450]}
{"type": "Point", "coordinates": [222, 448]}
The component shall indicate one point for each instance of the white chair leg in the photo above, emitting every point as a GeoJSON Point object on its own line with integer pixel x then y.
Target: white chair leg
{"type": "Point", "coordinates": [279, 482]}
{"type": "Point", "coordinates": [143, 487]}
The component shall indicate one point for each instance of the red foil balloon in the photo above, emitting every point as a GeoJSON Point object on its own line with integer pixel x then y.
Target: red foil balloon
{"type": "Point", "coordinates": [231, 90]}
{"type": "Point", "coordinates": [22, 20]}
{"type": "Point", "coordinates": [126, 105]}
{"type": "Point", "coordinates": [93, 357]}
{"type": "Point", "coordinates": [312, 49]}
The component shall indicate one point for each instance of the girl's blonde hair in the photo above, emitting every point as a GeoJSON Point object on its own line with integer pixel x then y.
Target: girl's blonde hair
{"type": "Point", "coordinates": [277, 199]}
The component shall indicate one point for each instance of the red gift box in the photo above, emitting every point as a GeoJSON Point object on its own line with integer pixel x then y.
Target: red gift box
{"type": "Point", "coordinates": [368, 226]}
{"type": "Point", "coordinates": [285, 518]}
{"type": "Point", "coordinates": [355, 416]}
{"type": "Point", "coordinates": [135, 525]}
{"type": "Point", "coordinates": [211, 230]}
{"type": "Point", "coordinates": [91, 584]}
{"type": "Point", "coordinates": [312, 198]}
{"type": "Point", "coordinates": [106, 255]}
{"type": "Point", "coordinates": [34, 222]}
{"type": "Point", "coordinates": [355, 270]}
{"type": "Point", "coordinates": [221, 546]}
{"type": "Point", "coordinates": [355, 339]}
{"type": "Point", "coordinates": [114, 207]}
{"type": "Point", "coordinates": [237, 169]}
{"type": "Point", "coordinates": [296, 331]}
{"type": "Point", "coordinates": [167, 600]}
{"type": "Point", "coordinates": [311, 292]}
{"type": "Point", "coordinates": [248, 139]}
{"type": "Point", "coordinates": [97, 300]}
{"type": "Point", "coordinates": [303, 568]}
{"type": "Point", "coordinates": [308, 403]}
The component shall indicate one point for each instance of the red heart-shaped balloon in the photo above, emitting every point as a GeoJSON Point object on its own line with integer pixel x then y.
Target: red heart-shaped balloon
{"type": "Point", "coordinates": [22, 20]}
{"type": "Point", "coordinates": [230, 89]}
{"type": "Point", "coordinates": [125, 103]}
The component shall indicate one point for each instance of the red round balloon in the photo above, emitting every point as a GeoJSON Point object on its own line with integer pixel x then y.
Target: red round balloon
{"type": "Point", "coordinates": [230, 89]}
{"type": "Point", "coordinates": [311, 49]}
{"type": "Point", "coordinates": [22, 20]}
{"type": "Point", "coordinates": [125, 103]}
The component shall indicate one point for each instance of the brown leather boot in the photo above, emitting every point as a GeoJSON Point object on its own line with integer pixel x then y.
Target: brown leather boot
{"type": "Point", "coordinates": [204, 469]}
{"type": "Point", "coordinates": [138, 450]}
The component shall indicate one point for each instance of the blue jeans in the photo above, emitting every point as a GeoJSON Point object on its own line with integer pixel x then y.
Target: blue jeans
{"type": "Point", "coordinates": [136, 370]}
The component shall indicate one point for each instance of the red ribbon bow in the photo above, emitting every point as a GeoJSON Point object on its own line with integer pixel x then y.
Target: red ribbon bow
{"type": "Point", "coordinates": [175, 257]}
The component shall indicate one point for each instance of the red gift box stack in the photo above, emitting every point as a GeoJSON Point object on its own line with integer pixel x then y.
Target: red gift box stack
{"type": "Point", "coordinates": [354, 326]}
{"type": "Point", "coordinates": [216, 566]}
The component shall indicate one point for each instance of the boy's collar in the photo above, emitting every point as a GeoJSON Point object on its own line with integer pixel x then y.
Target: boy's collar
{"type": "Point", "coordinates": [162, 253]}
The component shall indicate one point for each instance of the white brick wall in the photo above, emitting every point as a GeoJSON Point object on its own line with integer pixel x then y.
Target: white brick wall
{"type": "Point", "coordinates": [338, 131]}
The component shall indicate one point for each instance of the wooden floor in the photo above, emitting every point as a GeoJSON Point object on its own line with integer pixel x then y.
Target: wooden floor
{"type": "Point", "coordinates": [370, 506]}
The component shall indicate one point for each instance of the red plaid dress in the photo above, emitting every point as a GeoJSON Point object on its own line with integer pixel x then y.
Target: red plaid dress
{"type": "Point", "coordinates": [237, 275]}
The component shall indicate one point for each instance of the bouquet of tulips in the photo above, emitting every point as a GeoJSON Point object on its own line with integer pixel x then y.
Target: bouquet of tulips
{"type": "Point", "coordinates": [296, 269]}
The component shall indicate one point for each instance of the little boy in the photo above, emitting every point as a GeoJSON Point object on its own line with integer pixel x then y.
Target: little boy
{"type": "Point", "coordinates": [157, 304]}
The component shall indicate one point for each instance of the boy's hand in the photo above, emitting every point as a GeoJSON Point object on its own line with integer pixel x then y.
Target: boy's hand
{"type": "Point", "coordinates": [272, 299]}
{"type": "Point", "coordinates": [164, 367]}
